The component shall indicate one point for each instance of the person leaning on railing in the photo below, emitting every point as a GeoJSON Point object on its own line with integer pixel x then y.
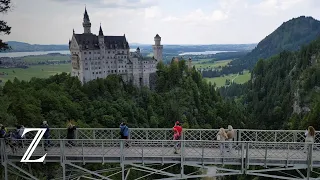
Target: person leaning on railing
{"type": "Point", "coordinates": [310, 133]}
{"type": "Point", "coordinates": [222, 136]}
{"type": "Point", "coordinates": [177, 131]}
{"type": "Point", "coordinates": [71, 133]}
{"type": "Point", "coordinates": [230, 136]}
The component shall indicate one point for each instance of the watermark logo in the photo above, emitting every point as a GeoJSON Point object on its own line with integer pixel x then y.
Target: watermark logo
{"type": "Point", "coordinates": [33, 145]}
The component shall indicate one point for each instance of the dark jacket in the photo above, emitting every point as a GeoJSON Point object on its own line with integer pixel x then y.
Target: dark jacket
{"type": "Point", "coordinates": [47, 133]}
{"type": "Point", "coordinates": [71, 132]}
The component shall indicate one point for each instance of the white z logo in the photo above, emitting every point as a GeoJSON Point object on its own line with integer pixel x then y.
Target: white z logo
{"type": "Point", "coordinates": [33, 145]}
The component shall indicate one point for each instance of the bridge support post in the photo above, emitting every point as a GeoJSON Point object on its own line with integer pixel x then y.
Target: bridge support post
{"type": "Point", "coordinates": [309, 160]}
{"type": "Point", "coordinates": [63, 165]}
{"type": "Point", "coordinates": [182, 159]}
{"type": "Point", "coordinates": [5, 165]}
{"type": "Point", "coordinates": [122, 171]}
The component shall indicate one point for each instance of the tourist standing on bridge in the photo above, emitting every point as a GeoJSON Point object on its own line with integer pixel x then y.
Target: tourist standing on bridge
{"type": "Point", "coordinates": [230, 136]}
{"type": "Point", "coordinates": [177, 130]}
{"type": "Point", "coordinates": [124, 132]}
{"type": "Point", "coordinates": [71, 133]}
{"type": "Point", "coordinates": [3, 132]}
{"type": "Point", "coordinates": [222, 136]}
{"type": "Point", "coordinates": [309, 137]}
{"type": "Point", "coordinates": [46, 135]}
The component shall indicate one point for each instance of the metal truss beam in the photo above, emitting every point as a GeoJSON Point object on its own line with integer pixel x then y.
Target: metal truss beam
{"type": "Point", "coordinates": [276, 177]}
{"type": "Point", "coordinates": [273, 169]}
{"type": "Point", "coordinates": [200, 176]}
{"type": "Point", "coordinates": [88, 171]}
{"type": "Point", "coordinates": [21, 170]}
{"type": "Point", "coordinates": [154, 170]}
{"type": "Point", "coordinates": [19, 175]}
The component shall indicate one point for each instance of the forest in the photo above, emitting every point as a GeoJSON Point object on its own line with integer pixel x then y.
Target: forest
{"type": "Point", "coordinates": [180, 94]}
{"type": "Point", "coordinates": [283, 92]}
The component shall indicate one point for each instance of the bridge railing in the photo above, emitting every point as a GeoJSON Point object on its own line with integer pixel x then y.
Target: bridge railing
{"type": "Point", "coordinates": [206, 152]}
{"type": "Point", "coordinates": [188, 134]}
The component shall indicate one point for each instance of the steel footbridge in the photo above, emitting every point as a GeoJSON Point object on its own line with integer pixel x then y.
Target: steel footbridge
{"type": "Point", "coordinates": [276, 154]}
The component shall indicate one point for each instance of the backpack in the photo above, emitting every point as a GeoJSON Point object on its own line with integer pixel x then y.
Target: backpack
{"type": "Point", "coordinates": [218, 137]}
{"type": "Point", "coordinates": [122, 130]}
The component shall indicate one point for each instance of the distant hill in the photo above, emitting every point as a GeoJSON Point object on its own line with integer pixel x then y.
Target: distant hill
{"type": "Point", "coordinates": [25, 47]}
{"type": "Point", "coordinates": [291, 35]}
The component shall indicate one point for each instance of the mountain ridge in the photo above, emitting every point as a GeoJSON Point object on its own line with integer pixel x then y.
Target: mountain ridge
{"type": "Point", "coordinates": [290, 35]}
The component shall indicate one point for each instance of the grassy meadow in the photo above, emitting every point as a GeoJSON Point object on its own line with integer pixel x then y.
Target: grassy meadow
{"type": "Point", "coordinates": [215, 65]}
{"type": "Point", "coordinates": [239, 79]}
{"type": "Point", "coordinates": [45, 58]}
{"type": "Point", "coordinates": [39, 71]}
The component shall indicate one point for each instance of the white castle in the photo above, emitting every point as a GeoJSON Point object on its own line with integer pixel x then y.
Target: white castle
{"type": "Point", "coordinates": [95, 57]}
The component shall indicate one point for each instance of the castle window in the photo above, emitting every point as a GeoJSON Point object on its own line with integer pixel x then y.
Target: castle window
{"type": "Point", "coordinates": [125, 56]}
{"type": "Point", "coordinates": [108, 52]}
{"type": "Point", "coordinates": [89, 58]}
{"type": "Point", "coordinates": [86, 64]}
{"type": "Point", "coordinates": [111, 71]}
{"type": "Point", "coordinates": [108, 66]}
{"type": "Point", "coordinates": [92, 72]}
{"type": "Point", "coordinates": [89, 52]}
{"type": "Point", "coordinates": [99, 68]}
{"type": "Point", "coordinates": [108, 71]}
{"type": "Point", "coordinates": [85, 52]}
{"type": "Point", "coordinates": [86, 68]}
{"type": "Point", "coordinates": [85, 58]}
{"type": "Point", "coordinates": [122, 52]}
{"type": "Point", "coordinates": [122, 66]}
{"type": "Point", "coordinates": [96, 72]}
{"type": "Point", "coordinates": [100, 72]}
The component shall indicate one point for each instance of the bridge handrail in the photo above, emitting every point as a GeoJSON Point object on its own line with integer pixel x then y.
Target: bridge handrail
{"type": "Point", "coordinates": [188, 134]}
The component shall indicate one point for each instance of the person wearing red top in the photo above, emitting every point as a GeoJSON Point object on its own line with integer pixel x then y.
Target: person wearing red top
{"type": "Point", "coordinates": [177, 130]}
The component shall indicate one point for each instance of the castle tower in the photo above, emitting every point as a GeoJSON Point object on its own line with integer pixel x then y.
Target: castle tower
{"type": "Point", "coordinates": [86, 22]}
{"type": "Point", "coordinates": [157, 48]}
{"type": "Point", "coordinates": [101, 36]}
{"type": "Point", "coordinates": [190, 63]}
{"type": "Point", "coordinates": [138, 50]}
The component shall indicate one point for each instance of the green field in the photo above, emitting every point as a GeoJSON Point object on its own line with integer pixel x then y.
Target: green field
{"type": "Point", "coordinates": [39, 71]}
{"type": "Point", "coordinates": [240, 79]}
{"type": "Point", "coordinates": [44, 58]}
{"type": "Point", "coordinates": [211, 65]}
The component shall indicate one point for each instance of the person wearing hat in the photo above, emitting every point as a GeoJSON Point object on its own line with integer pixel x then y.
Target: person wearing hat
{"type": "Point", "coordinates": [177, 130]}
{"type": "Point", "coordinates": [46, 135]}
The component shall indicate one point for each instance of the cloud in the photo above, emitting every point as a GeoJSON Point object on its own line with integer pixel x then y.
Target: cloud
{"type": "Point", "coordinates": [198, 17]}
{"type": "Point", "coordinates": [274, 7]}
{"type": "Point", "coordinates": [152, 12]}
{"type": "Point", "coordinates": [128, 4]}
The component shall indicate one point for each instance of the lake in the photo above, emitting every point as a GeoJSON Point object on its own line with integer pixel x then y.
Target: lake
{"type": "Point", "coordinates": [203, 53]}
{"type": "Point", "coordinates": [35, 53]}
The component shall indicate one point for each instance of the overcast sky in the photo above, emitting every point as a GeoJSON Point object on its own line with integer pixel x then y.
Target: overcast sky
{"type": "Point", "coordinates": [176, 21]}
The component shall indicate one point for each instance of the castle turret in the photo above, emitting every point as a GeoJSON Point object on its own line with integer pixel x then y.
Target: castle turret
{"type": "Point", "coordinates": [101, 42]}
{"type": "Point", "coordinates": [86, 22]}
{"type": "Point", "coordinates": [138, 50]}
{"type": "Point", "coordinates": [190, 63]}
{"type": "Point", "coordinates": [157, 48]}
